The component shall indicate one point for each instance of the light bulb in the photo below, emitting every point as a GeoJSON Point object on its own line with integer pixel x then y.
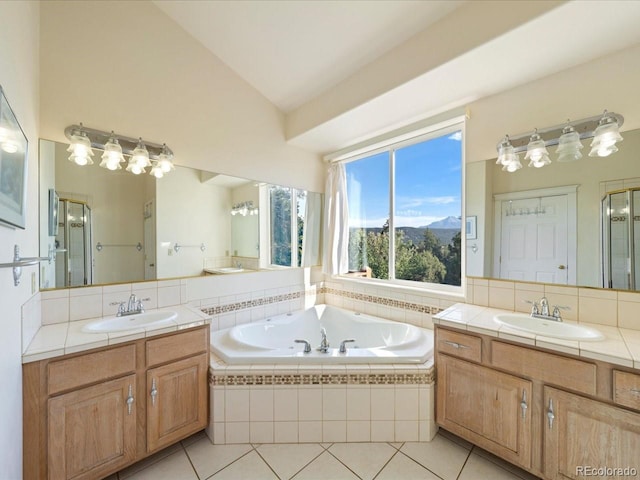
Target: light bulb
{"type": "Point", "coordinates": [9, 146]}
{"type": "Point", "coordinates": [157, 172]}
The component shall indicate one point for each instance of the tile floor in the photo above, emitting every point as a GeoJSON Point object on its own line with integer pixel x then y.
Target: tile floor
{"type": "Point", "coordinates": [447, 457]}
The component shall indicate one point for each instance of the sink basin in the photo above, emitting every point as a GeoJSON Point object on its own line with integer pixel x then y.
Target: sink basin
{"type": "Point", "coordinates": [225, 270]}
{"type": "Point", "coordinates": [549, 328]}
{"type": "Point", "coordinates": [130, 322]}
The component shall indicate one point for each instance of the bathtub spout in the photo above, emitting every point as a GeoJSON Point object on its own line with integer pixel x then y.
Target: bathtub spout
{"type": "Point", "coordinates": [324, 345]}
{"type": "Point", "coordinates": [307, 345]}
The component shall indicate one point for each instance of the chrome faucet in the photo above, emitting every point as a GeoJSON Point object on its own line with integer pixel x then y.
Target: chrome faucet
{"type": "Point", "coordinates": [541, 310]}
{"type": "Point", "coordinates": [133, 306]}
{"type": "Point", "coordinates": [324, 345]}
{"type": "Point", "coordinates": [343, 347]}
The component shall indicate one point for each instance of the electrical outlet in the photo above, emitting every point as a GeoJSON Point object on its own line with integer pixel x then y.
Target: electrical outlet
{"type": "Point", "coordinates": [33, 283]}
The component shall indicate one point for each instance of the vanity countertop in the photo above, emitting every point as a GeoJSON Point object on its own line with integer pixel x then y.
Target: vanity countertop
{"type": "Point", "coordinates": [65, 338]}
{"type": "Point", "coordinates": [620, 346]}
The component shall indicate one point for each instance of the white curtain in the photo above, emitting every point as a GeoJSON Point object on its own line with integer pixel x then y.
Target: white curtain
{"type": "Point", "coordinates": [312, 233]}
{"type": "Point", "coordinates": [336, 228]}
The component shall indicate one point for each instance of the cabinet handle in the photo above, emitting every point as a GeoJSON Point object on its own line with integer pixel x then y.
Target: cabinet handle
{"type": "Point", "coordinates": [523, 404]}
{"type": "Point", "coordinates": [635, 391]}
{"type": "Point", "coordinates": [130, 400]}
{"type": "Point", "coordinates": [550, 414]}
{"type": "Point", "coordinates": [455, 345]}
{"type": "Point", "coordinates": [154, 391]}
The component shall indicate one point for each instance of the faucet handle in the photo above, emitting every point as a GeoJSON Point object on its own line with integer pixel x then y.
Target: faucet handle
{"type": "Point", "coordinates": [121, 309]}
{"type": "Point", "coordinates": [307, 345]}
{"type": "Point", "coordinates": [556, 311]}
{"type": "Point", "coordinates": [343, 347]}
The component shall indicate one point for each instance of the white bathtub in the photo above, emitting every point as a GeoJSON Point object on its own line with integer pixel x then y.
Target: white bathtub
{"type": "Point", "coordinates": [271, 341]}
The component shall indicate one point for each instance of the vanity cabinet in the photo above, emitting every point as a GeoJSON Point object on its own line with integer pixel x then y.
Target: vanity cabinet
{"type": "Point", "coordinates": [90, 414]}
{"type": "Point", "coordinates": [552, 414]}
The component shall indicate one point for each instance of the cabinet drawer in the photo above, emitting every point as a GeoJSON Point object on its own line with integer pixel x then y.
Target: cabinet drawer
{"type": "Point", "coordinates": [626, 389]}
{"type": "Point", "coordinates": [554, 369]}
{"type": "Point", "coordinates": [175, 347]}
{"type": "Point", "coordinates": [460, 345]}
{"type": "Point", "coordinates": [91, 368]}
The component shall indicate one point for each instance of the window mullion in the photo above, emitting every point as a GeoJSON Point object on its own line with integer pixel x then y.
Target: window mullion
{"type": "Point", "coordinates": [294, 228]}
{"type": "Point", "coordinates": [392, 233]}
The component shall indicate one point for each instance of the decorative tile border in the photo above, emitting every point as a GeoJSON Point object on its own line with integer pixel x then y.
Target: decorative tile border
{"type": "Point", "coordinates": [257, 302]}
{"type": "Point", "coordinates": [388, 302]}
{"type": "Point", "coordinates": [324, 379]}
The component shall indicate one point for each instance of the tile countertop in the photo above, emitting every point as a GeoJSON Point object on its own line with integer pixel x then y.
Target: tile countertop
{"type": "Point", "coordinates": [64, 338]}
{"type": "Point", "coordinates": [620, 347]}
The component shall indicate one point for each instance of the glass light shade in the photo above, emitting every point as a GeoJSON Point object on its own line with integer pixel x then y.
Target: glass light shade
{"type": "Point", "coordinates": [134, 167]}
{"type": "Point", "coordinates": [80, 149]}
{"type": "Point", "coordinates": [569, 145]}
{"type": "Point", "coordinates": [112, 156]}
{"type": "Point", "coordinates": [514, 165]}
{"type": "Point", "coordinates": [156, 172]}
{"type": "Point", "coordinates": [140, 156]}
{"type": "Point", "coordinates": [605, 138]}
{"type": "Point", "coordinates": [537, 153]}
{"type": "Point", "coordinates": [164, 160]}
{"type": "Point", "coordinates": [506, 152]}
{"type": "Point", "coordinates": [9, 146]}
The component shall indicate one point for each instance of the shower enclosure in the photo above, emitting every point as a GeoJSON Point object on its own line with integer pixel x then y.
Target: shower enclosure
{"type": "Point", "coordinates": [73, 243]}
{"type": "Point", "coordinates": [621, 239]}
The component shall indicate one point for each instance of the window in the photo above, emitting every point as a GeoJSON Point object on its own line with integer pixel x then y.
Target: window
{"type": "Point", "coordinates": [286, 229]}
{"type": "Point", "coordinates": [405, 210]}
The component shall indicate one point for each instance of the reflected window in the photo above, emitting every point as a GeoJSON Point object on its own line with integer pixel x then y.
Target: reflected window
{"type": "Point", "coordinates": [286, 225]}
{"type": "Point", "coordinates": [405, 210]}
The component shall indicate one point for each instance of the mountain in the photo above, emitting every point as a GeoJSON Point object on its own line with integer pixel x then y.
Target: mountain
{"type": "Point", "coordinates": [449, 222]}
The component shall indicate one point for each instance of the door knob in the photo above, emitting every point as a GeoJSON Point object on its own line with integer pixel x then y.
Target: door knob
{"type": "Point", "coordinates": [561, 267]}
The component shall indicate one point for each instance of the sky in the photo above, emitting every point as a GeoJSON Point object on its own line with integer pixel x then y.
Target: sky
{"type": "Point", "coordinates": [428, 184]}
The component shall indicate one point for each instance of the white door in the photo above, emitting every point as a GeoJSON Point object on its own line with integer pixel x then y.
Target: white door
{"type": "Point", "coordinates": [534, 240]}
{"type": "Point", "coordinates": [149, 241]}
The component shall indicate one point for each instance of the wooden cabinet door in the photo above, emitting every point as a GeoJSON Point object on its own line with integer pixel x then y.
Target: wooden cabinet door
{"type": "Point", "coordinates": [176, 401]}
{"type": "Point", "coordinates": [92, 431]}
{"type": "Point", "coordinates": [582, 434]}
{"type": "Point", "coordinates": [489, 408]}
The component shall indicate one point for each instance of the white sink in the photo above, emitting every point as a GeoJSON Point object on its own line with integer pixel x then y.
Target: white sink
{"type": "Point", "coordinates": [130, 322]}
{"type": "Point", "coordinates": [549, 328]}
{"type": "Point", "coordinates": [225, 270]}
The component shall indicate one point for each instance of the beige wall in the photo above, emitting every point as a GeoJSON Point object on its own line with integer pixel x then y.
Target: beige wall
{"type": "Point", "coordinates": [126, 66]}
{"type": "Point", "coordinates": [191, 213]}
{"type": "Point", "coordinates": [19, 78]}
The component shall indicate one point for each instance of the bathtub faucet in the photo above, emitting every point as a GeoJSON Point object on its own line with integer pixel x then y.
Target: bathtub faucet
{"type": "Point", "coordinates": [324, 345]}
{"type": "Point", "coordinates": [307, 345]}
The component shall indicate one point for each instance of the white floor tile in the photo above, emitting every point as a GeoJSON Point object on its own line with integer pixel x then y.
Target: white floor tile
{"type": "Point", "coordinates": [479, 467]}
{"type": "Point", "coordinates": [288, 459]}
{"type": "Point", "coordinates": [207, 458]}
{"type": "Point", "coordinates": [248, 467]}
{"type": "Point", "coordinates": [443, 457]}
{"type": "Point", "coordinates": [325, 467]}
{"type": "Point", "coordinates": [365, 459]}
{"type": "Point", "coordinates": [174, 466]}
{"type": "Point", "coordinates": [402, 467]}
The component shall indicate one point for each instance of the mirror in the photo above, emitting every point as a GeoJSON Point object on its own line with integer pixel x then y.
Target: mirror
{"type": "Point", "coordinates": [518, 215]}
{"type": "Point", "coordinates": [115, 227]}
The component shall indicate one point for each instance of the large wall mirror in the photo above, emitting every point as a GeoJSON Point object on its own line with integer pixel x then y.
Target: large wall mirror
{"type": "Point", "coordinates": [112, 226]}
{"type": "Point", "coordinates": [582, 218]}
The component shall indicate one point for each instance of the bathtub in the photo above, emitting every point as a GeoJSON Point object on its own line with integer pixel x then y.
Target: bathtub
{"type": "Point", "coordinates": [271, 341]}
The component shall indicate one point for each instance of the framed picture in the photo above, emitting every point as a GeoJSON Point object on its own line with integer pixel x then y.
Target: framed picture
{"type": "Point", "coordinates": [13, 167]}
{"type": "Point", "coordinates": [54, 202]}
{"type": "Point", "coordinates": [471, 227]}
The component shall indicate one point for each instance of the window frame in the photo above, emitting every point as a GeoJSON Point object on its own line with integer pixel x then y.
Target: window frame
{"type": "Point", "coordinates": [293, 200]}
{"type": "Point", "coordinates": [391, 145]}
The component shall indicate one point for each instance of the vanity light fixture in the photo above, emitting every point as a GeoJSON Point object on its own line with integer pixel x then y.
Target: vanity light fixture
{"type": "Point", "coordinates": [606, 136]}
{"type": "Point", "coordinates": [142, 154]}
{"type": "Point", "coordinates": [604, 129]}
{"type": "Point", "coordinates": [537, 153]}
{"type": "Point", "coordinates": [569, 145]}
{"type": "Point", "coordinates": [244, 209]}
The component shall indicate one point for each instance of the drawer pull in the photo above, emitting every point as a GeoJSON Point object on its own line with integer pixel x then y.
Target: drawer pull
{"type": "Point", "coordinates": [154, 392]}
{"type": "Point", "coordinates": [523, 404]}
{"type": "Point", "coordinates": [130, 400]}
{"type": "Point", "coordinates": [455, 344]}
{"type": "Point", "coordinates": [550, 414]}
{"type": "Point", "coordinates": [635, 391]}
